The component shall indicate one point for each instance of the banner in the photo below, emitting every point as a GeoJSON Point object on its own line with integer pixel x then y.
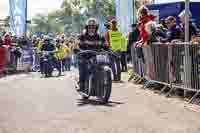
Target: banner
{"type": "Point", "coordinates": [124, 14]}
{"type": "Point", "coordinates": [18, 16]}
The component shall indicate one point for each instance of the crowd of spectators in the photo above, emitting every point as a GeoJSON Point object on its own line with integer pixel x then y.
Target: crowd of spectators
{"type": "Point", "coordinates": [25, 50]}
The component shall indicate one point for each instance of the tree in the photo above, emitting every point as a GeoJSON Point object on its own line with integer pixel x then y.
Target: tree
{"type": "Point", "coordinates": [41, 23]}
{"type": "Point", "coordinates": [49, 23]}
{"type": "Point", "coordinates": [73, 14]}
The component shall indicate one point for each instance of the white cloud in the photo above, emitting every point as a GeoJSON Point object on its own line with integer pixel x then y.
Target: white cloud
{"type": "Point", "coordinates": [34, 6]}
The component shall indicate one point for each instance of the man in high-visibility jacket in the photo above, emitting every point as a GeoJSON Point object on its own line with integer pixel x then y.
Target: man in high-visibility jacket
{"type": "Point", "coordinates": [114, 38]}
{"type": "Point", "coordinates": [124, 46]}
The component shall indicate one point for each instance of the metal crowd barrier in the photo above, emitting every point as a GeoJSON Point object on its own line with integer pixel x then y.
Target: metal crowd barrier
{"type": "Point", "coordinates": [2, 61]}
{"type": "Point", "coordinates": [27, 60]}
{"type": "Point", "coordinates": [176, 65]}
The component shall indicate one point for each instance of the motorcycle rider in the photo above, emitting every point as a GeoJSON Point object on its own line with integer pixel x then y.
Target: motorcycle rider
{"type": "Point", "coordinates": [48, 46]}
{"type": "Point", "coordinates": [89, 40]}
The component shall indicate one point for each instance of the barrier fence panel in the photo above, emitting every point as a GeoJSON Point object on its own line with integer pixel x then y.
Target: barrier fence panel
{"type": "Point", "coordinates": [168, 63]}
{"type": "Point", "coordinates": [2, 60]}
{"type": "Point", "coordinates": [138, 61]}
{"type": "Point", "coordinates": [19, 60]}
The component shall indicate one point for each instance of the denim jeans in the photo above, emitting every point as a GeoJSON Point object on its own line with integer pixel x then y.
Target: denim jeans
{"type": "Point", "coordinates": [68, 63]}
{"type": "Point", "coordinates": [116, 67]}
{"type": "Point", "coordinates": [124, 61]}
{"type": "Point", "coordinates": [83, 72]}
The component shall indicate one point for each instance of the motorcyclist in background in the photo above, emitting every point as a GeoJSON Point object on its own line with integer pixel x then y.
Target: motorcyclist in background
{"type": "Point", "coordinates": [89, 40]}
{"type": "Point", "coordinates": [48, 46]}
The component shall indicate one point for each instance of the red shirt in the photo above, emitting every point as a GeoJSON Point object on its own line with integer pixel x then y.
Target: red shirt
{"type": "Point", "coordinates": [7, 42]}
{"type": "Point", "coordinates": [144, 35]}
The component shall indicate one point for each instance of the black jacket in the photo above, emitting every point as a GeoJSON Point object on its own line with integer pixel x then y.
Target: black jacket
{"type": "Point", "coordinates": [192, 31]}
{"type": "Point", "coordinates": [134, 37]}
{"type": "Point", "coordinates": [88, 42]}
{"type": "Point", "coordinates": [49, 47]}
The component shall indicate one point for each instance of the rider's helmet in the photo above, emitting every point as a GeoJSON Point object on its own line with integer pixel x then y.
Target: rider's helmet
{"type": "Point", "coordinates": [46, 39]}
{"type": "Point", "coordinates": [92, 23]}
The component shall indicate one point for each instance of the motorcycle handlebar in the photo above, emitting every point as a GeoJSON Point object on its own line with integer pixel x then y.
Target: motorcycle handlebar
{"type": "Point", "coordinates": [94, 52]}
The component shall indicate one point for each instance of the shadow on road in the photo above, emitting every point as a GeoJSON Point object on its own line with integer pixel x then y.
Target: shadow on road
{"type": "Point", "coordinates": [95, 102]}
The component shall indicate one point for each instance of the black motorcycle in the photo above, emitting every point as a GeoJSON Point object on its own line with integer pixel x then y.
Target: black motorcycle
{"type": "Point", "coordinates": [99, 77]}
{"type": "Point", "coordinates": [48, 64]}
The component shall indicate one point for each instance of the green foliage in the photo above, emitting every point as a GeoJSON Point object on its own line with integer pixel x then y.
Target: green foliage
{"type": "Point", "coordinates": [73, 14]}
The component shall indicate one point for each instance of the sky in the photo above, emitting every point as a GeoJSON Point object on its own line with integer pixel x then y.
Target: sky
{"type": "Point", "coordinates": [34, 7]}
{"type": "Point", "coordinates": [44, 6]}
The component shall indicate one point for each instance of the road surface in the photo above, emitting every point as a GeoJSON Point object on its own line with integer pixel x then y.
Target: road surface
{"type": "Point", "coordinates": [31, 104]}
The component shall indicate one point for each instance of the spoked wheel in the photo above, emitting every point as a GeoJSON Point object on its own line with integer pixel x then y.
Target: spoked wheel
{"type": "Point", "coordinates": [106, 86]}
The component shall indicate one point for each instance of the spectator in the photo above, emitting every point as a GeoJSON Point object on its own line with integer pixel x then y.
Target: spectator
{"type": "Point", "coordinates": [147, 25]}
{"type": "Point", "coordinates": [174, 31]}
{"type": "Point", "coordinates": [14, 40]}
{"type": "Point", "coordinates": [163, 24]}
{"type": "Point", "coordinates": [107, 27]}
{"type": "Point", "coordinates": [114, 39]}
{"type": "Point", "coordinates": [192, 26]}
{"type": "Point", "coordinates": [161, 31]}
{"type": "Point", "coordinates": [34, 41]}
{"type": "Point", "coordinates": [60, 54]}
{"type": "Point", "coordinates": [1, 41]}
{"type": "Point", "coordinates": [7, 41]}
{"type": "Point", "coordinates": [68, 56]}
{"type": "Point", "coordinates": [132, 39]}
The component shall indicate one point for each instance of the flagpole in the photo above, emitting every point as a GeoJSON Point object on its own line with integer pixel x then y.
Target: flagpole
{"type": "Point", "coordinates": [187, 15]}
{"type": "Point", "coordinates": [26, 15]}
{"type": "Point", "coordinates": [187, 55]}
{"type": "Point", "coordinates": [134, 11]}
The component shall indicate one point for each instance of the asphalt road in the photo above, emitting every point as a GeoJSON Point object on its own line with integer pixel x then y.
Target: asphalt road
{"type": "Point", "coordinates": [31, 104]}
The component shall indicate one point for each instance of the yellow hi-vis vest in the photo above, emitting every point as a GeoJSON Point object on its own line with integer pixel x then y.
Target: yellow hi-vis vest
{"type": "Point", "coordinates": [61, 53]}
{"type": "Point", "coordinates": [124, 44]}
{"type": "Point", "coordinates": [115, 40]}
